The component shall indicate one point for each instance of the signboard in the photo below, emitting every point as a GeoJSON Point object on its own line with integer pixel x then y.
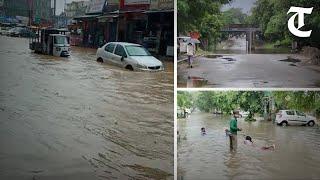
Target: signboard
{"type": "Point", "coordinates": [112, 2]}
{"type": "Point", "coordinates": [162, 4]}
{"type": "Point", "coordinates": [136, 2]}
{"type": "Point", "coordinates": [96, 6]}
{"type": "Point", "coordinates": [194, 35]}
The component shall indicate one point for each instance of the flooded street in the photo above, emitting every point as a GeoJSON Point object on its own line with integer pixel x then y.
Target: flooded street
{"type": "Point", "coordinates": [79, 119]}
{"type": "Point", "coordinates": [248, 71]}
{"type": "Point", "coordinates": [296, 155]}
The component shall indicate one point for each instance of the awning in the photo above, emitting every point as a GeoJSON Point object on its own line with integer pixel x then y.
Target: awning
{"type": "Point", "coordinates": [107, 18]}
{"type": "Point", "coordinates": [92, 16]}
{"type": "Point", "coordinates": [160, 11]}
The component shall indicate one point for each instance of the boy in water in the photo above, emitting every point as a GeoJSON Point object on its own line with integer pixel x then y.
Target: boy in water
{"type": "Point", "coordinates": [203, 131]}
{"type": "Point", "coordinates": [248, 141]}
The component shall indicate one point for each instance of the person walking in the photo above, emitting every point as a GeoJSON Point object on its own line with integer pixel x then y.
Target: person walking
{"type": "Point", "coordinates": [190, 53]}
{"type": "Point", "coordinates": [234, 129]}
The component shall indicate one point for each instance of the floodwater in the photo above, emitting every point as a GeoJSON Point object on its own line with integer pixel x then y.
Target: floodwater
{"type": "Point", "coordinates": [208, 157]}
{"type": "Point", "coordinates": [75, 118]}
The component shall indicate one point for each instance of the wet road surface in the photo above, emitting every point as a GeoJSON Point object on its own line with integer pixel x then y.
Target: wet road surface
{"type": "Point", "coordinates": [208, 157]}
{"type": "Point", "coordinates": [248, 71]}
{"type": "Point", "coordinates": [75, 118]}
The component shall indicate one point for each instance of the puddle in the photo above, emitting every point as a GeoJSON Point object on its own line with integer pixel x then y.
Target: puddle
{"type": "Point", "coordinates": [229, 59]}
{"type": "Point", "coordinates": [292, 60]}
{"type": "Point", "coordinates": [196, 81]}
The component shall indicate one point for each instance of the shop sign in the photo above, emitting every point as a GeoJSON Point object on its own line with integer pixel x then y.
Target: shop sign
{"type": "Point", "coordinates": [161, 4]}
{"type": "Point", "coordinates": [136, 2]}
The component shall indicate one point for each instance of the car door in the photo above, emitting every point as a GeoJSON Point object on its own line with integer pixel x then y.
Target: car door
{"type": "Point", "coordinates": [120, 54]}
{"type": "Point", "coordinates": [108, 52]}
{"type": "Point", "coordinates": [291, 117]}
{"type": "Point", "coordinates": [301, 118]}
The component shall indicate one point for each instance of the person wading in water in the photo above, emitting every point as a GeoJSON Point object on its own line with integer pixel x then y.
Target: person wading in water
{"type": "Point", "coordinates": [233, 130]}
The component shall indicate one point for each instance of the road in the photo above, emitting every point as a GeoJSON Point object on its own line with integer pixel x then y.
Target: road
{"type": "Point", "coordinates": [296, 155]}
{"type": "Point", "coordinates": [248, 71]}
{"type": "Point", "coordinates": [75, 118]}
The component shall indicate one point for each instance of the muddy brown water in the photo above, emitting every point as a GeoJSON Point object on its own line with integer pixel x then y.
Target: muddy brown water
{"type": "Point", "coordinates": [75, 118]}
{"type": "Point", "coordinates": [208, 157]}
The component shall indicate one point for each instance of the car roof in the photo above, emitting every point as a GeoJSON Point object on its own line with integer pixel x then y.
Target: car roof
{"type": "Point", "coordinates": [125, 43]}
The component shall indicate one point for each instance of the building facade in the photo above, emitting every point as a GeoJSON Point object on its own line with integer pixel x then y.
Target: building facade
{"type": "Point", "coordinates": [38, 11]}
{"type": "Point", "coordinates": [76, 8]}
{"type": "Point", "coordinates": [145, 22]}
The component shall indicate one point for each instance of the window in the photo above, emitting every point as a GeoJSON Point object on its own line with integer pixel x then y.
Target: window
{"type": "Point", "coordinates": [109, 48]}
{"type": "Point", "coordinates": [120, 51]}
{"type": "Point", "coordinates": [291, 113]}
{"type": "Point", "coordinates": [300, 113]}
{"type": "Point", "coordinates": [137, 51]}
{"type": "Point", "coordinates": [61, 40]}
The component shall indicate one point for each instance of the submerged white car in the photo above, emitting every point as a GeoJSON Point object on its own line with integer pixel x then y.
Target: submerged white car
{"type": "Point", "coordinates": [293, 117]}
{"type": "Point", "coordinates": [130, 56]}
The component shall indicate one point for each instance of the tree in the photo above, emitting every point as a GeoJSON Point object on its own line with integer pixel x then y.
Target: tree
{"type": "Point", "coordinates": [271, 16]}
{"type": "Point", "coordinates": [184, 99]}
{"type": "Point", "coordinates": [202, 16]}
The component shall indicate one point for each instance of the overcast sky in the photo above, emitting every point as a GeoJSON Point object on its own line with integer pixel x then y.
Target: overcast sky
{"type": "Point", "coordinates": [60, 4]}
{"type": "Point", "coordinates": [245, 5]}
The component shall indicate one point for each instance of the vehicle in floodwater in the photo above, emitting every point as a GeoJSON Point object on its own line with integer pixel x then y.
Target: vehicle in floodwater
{"type": "Point", "coordinates": [293, 117]}
{"type": "Point", "coordinates": [130, 56]}
{"type": "Point", "coordinates": [51, 41]}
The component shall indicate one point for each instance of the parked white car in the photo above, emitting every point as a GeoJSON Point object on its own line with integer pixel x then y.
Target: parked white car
{"type": "Point", "coordinates": [293, 117]}
{"type": "Point", "coordinates": [130, 56]}
{"type": "Point", "coordinates": [244, 114]}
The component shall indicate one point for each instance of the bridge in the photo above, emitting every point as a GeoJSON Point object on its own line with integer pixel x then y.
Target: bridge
{"type": "Point", "coordinates": [249, 30]}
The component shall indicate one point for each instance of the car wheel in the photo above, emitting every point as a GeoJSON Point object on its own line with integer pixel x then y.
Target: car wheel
{"type": "Point", "coordinates": [100, 60]}
{"type": "Point", "coordinates": [284, 123]}
{"type": "Point", "coordinates": [311, 123]}
{"type": "Point", "coordinates": [129, 67]}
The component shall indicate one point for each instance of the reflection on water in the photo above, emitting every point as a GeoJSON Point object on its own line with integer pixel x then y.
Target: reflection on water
{"type": "Point", "coordinates": [79, 119]}
{"type": "Point", "coordinates": [208, 157]}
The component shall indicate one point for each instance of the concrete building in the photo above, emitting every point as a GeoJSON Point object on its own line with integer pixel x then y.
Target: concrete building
{"type": "Point", "coordinates": [76, 8]}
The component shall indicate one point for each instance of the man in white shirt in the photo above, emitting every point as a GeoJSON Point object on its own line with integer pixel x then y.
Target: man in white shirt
{"type": "Point", "coordinates": [190, 53]}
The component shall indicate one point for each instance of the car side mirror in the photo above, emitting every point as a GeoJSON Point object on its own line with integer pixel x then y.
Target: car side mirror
{"type": "Point", "coordinates": [122, 58]}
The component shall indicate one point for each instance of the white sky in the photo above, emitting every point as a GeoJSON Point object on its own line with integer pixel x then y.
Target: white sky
{"type": "Point", "coordinates": [245, 5]}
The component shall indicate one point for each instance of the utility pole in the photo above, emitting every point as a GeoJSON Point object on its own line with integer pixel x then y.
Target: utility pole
{"type": "Point", "coordinates": [30, 6]}
{"type": "Point", "coordinates": [54, 7]}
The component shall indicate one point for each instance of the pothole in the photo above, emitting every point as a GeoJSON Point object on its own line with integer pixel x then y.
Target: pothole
{"type": "Point", "coordinates": [292, 60]}
{"type": "Point", "coordinates": [229, 59]}
{"type": "Point", "coordinates": [194, 81]}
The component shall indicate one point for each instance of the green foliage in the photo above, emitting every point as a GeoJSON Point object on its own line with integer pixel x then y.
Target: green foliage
{"type": "Point", "coordinates": [202, 16]}
{"type": "Point", "coordinates": [271, 16]}
{"type": "Point", "coordinates": [233, 16]}
{"type": "Point", "coordinates": [184, 99]}
{"type": "Point", "coordinates": [252, 101]}
{"type": "Point", "coordinates": [299, 100]}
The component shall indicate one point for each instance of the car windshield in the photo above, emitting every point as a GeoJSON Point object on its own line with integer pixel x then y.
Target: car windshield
{"type": "Point", "coordinates": [137, 51]}
{"type": "Point", "coordinates": [60, 40]}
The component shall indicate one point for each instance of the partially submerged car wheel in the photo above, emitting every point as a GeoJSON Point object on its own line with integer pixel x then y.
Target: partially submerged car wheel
{"type": "Point", "coordinates": [129, 67]}
{"type": "Point", "coordinates": [100, 60]}
{"type": "Point", "coordinates": [284, 123]}
{"type": "Point", "coordinates": [311, 123]}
